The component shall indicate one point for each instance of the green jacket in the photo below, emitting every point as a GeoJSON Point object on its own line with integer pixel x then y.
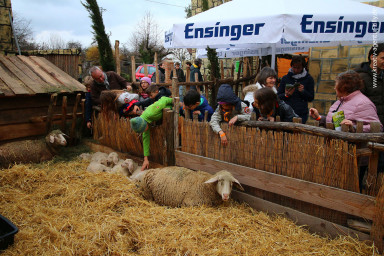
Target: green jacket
{"type": "Point", "coordinates": [151, 114]}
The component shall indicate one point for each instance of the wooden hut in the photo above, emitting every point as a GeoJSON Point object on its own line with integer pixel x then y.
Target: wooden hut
{"type": "Point", "coordinates": [34, 94]}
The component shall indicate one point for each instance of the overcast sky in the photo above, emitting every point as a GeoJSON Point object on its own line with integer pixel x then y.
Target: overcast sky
{"type": "Point", "coordinates": [69, 19]}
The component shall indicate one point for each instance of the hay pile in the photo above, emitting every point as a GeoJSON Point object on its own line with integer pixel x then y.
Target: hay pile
{"type": "Point", "coordinates": [60, 209]}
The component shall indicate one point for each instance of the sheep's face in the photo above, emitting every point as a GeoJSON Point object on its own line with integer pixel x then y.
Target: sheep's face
{"type": "Point", "coordinates": [224, 184]}
{"type": "Point", "coordinates": [57, 139]}
{"type": "Point", "coordinates": [113, 158]}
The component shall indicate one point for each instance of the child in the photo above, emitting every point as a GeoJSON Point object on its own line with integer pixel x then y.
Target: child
{"type": "Point", "coordinates": [196, 104]}
{"type": "Point", "coordinates": [141, 123]}
{"type": "Point", "coordinates": [267, 106]}
{"type": "Point", "coordinates": [88, 80]}
{"type": "Point", "coordinates": [126, 104]}
{"type": "Point", "coordinates": [154, 94]}
{"type": "Point", "coordinates": [230, 110]}
{"type": "Point", "coordinates": [145, 82]}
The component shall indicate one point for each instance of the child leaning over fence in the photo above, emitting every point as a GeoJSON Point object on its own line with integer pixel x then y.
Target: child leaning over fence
{"type": "Point", "coordinates": [196, 104]}
{"type": "Point", "coordinates": [141, 124]}
{"type": "Point", "coordinates": [230, 109]}
{"type": "Point", "coordinates": [155, 93]}
{"type": "Point", "coordinates": [267, 106]}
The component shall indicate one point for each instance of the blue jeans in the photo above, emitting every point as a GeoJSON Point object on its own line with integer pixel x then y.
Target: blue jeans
{"type": "Point", "coordinates": [181, 93]}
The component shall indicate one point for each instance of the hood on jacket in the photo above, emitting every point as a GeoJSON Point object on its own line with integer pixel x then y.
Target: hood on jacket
{"type": "Point", "coordinates": [226, 94]}
{"type": "Point", "coordinates": [249, 88]}
{"type": "Point", "coordinates": [163, 92]}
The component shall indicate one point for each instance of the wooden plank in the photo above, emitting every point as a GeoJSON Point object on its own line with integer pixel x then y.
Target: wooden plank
{"type": "Point", "coordinates": [117, 57]}
{"type": "Point", "coordinates": [31, 84]}
{"type": "Point", "coordinates": [316, 225]}
{"type": "Point", "coordinates": [4, 90]}
{"type": "Point", "coordinates": [52, 103]}
{"type": "Point", "coordinates": [56, 73]}
{"type": "Point", "coordinates": [133, 69]}
{"type": "Point", "coordinates": [13, 84]}
{"type": "Point", "coordinates": [62, 75]}
{"type": "Point", "coordinates": [15, 131]}
{"type": "Point", "coordinates": [29, 73]}
{"type": "Point", "coordinates": [325, 196]}
{"type": "Point", "coordinates": [54, 85]}
{"type": "Point", "coordinates": [64, 114]}
{"type": "Point", "coordinates": [72, 132]}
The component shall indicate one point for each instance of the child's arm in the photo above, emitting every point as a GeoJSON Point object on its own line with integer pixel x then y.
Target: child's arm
{"type": "Point", "coordinates": [215, 121]}
{"type": "Point", "coordinates": [146, 149]}
{"type": "Point", "coordinates": [245, 113]}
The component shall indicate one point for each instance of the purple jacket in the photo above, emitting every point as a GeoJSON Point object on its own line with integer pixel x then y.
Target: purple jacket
{"type": "Point", "coordinates": [356, 107]}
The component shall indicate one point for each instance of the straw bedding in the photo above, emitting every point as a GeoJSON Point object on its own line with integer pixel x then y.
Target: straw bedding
{"type": "Point", "coordinates": [60, 209]}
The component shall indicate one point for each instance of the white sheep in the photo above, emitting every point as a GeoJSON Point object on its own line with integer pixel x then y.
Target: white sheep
{"type": "Point", "coordinates": [85, 156]}
{"type": "Point", "coordinates": [100, 157]}
{"type": "Point", "coordinates": [177, 186]}
{"type": "Point", "coordinates": [124, 167]}
{"type": "Point", "coordinates": [113, 159]}
{"type": "Point", "coordinates": [32, 151]}
{"type": "Point", "coordinates": [96, 167]}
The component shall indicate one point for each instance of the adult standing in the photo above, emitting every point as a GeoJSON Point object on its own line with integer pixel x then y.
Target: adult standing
{"type": "Point", "coordinates": [109, 80]}
{"type": "Point", "coordinates": [300, 89]}
{"type": "Point", "coordinates": [195, 69]}
{"type": "Point", "coordinates": [267, 78]}
{"type": "Point", "coordinates": [181, 78]}
{"type": "Point", "coordinates": [372, 74]}
{"type": "Point", "coordinates": [161, 74]}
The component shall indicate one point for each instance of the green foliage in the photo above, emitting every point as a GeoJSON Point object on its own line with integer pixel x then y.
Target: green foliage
{"type": "Point", "coordinates": [105, 49]}
{"type": "Point", "coordinates": [213, 63]}
{"type": "Point", "coordinates": [126, 76]}
{"type": "Point", "coordinates": [205, 5]}
{"type": "Point", "coordinates": [188, 11]}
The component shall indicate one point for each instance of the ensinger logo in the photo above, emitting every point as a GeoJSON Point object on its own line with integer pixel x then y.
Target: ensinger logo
{"type": "Point", "coordinates": [360, 28]}
{"type": "Point", "coordinates": [234, 31]}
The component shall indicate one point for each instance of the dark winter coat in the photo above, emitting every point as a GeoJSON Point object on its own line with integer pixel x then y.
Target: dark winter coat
{"type": "Point", "coordinates": [88, 107]}
{"type": "Point", "coordinates": [282, 109]}
{"type": "Point", "coordinates": [298, 100]}
{"type": "Point", "coordinates": [147, 102]}
{"type": "Point", "coordinates": [202, 108]}
{"type": "Point", "coordinates": [161, 76]}
{"type": "Point", "coordinates": [180, 75]}
{"type": "Point", "coordinates": [374, 92]}
{"type": "Point", "coordinates": [115, 81]}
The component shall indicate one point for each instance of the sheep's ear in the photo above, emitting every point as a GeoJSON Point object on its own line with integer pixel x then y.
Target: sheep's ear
{"type": "Point", "coordinates": [213, 179]}
{"type": "Point", "coordinates": [51, 138]}
{"type": "Point", "coordinates": [237, 184]}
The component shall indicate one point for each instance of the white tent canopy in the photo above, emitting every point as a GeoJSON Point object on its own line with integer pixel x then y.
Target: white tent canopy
{"type": "Point", "coordinates": [250, 24]}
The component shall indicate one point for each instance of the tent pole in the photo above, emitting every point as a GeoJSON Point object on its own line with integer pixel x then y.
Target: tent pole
{"type": "Point", "coordinates": [273, 59]}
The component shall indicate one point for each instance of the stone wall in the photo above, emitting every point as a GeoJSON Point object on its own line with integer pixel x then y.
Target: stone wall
{"type": "Point", "coordinates": [7, 42]}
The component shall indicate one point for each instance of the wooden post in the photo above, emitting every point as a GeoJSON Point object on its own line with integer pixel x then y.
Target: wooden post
{"type": "Point", "coordinates": [157, 70]}
{"type": "Point", "coordinates": [233, 70]}
{"type": "Point", "coordinates": [297, 120]}
{"type": "Point", "coordinates": [64, 114]}
{"type": "Point", "coordinates": [52, 103]}
{"type": "Point", "coordinates": [82, 114]}
{"type": "Point", "coordinates": [175, 88]}
{"type": "Point", "coordinates": [329, 126]}
{"type": "Point", "coordinates": [373, 163]}
{"type": "Point", "coordinates": [133, 69]}
{"type": "Point", "coordinates": [188, 74]}
{"type": "Point", "coordinates": [145, 70]}
{"type": "Point", "coordinates": [72, 133]}
{"type": "Point", "coordinates": [278, 119]}
{"type": "Point", "coordinates": [222, 69]}
{"type": "Point", "coordinates": [197, 80]}
{"type": "Point", "coordinates": [245, 71]}
{"type": "Point", "coordinates": [253, 116]}
{"type": "Point", "coordinates": [205, 115]}
{"type": "Point", "coordinates": [117, 57]}
{"type": "Point", "coordinates": [359, 126]}
{"type": "Point", "coordinates": [377, 232]}
{"type": "Point", "coordinates": [176, 109]}
{"type": "Point", "coordinates": [169, 143]}
{"type": "Point", "coordinates": [167, 73]}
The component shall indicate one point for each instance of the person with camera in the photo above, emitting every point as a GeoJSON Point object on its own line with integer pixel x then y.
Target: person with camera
{"type": "Point", "coordinates": [297, 88]}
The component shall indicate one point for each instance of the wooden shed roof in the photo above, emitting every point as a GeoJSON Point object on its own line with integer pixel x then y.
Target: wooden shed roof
{"type": "Point", "coordinates": [22, 75]}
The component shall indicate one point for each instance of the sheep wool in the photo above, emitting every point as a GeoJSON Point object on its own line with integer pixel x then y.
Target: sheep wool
{"type": "Point", "coordinates": [178, 187]}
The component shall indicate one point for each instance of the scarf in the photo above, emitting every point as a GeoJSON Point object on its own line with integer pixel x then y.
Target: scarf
{"type": "Point", "coordinates": [298, 76]}
{"type": "Point", "coordinates": [195, 66]}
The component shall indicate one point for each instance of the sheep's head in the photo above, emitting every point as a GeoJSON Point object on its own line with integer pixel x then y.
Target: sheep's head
{"type": "Point", "coordinates": [113, 159]}
{"type": "Point", "coordinates": [224, 183]}
{"type": "Point", "coordinates": [129, 165]}
{"type": "Point", "coordinates": [56, 138]}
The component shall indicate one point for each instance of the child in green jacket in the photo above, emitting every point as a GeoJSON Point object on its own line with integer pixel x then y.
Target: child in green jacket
{"type": "Point", "coordinates": [141, 123]}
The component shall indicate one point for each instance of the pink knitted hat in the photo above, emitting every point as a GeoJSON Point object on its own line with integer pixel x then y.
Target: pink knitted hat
{"type": "Point", "coordinates": [146, 79]}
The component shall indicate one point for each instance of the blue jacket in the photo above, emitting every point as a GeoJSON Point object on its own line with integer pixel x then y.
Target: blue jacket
{"type": "Point", "coordinates": [298, 100]}
{"type": "Point", "coordinates": [202, 108]}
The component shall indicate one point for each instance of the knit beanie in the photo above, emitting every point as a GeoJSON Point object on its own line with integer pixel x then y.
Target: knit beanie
{"type": "Point", "coordinates": [138, 124]}
{"type": "Point", "coordinates": [146, 79]}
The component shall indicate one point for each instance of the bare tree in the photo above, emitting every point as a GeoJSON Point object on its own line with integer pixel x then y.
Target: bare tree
{"type": "Point", "coordinates": [181, 54]}
{"type": "Point", "coordinates": [24, 33]}
{"type": "Point", "coordinates": [147, 39]}
{"type": "Point", "coordinates": [74, 45]}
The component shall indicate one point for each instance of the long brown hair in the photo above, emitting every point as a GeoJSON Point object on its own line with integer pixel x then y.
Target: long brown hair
{"type": "Point", "coordinates": [266, 99]}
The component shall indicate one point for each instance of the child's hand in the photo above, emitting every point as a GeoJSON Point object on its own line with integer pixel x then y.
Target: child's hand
{"type": "Point", "coordinates": [196, 112]}
{"type": "Point", "coordinates": [314, 113]}
{"type": "Point", "coordinates": [145, 164]}
{"type": "Point", "coordinates": [233, 120]}
{"type": "Point", "coordinates": [271, 118]}
{"type": "Point", "coordinates": [224, 140]}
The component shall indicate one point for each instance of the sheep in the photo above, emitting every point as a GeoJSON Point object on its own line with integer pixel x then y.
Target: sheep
{"type": "Point", "coordinates": [124, 167]}
{"type": "Point", "coordinates": [85, 156]}
{"type": "Point", "coordinates": [32, 151]}
{"type": "Point", "coordinates": [96, 167]}
{"type": "Point", "coordinates": [113, 159]}
{"type": "Point", "coordinates": [178, 187]}
{"type": "Point", "coordinates": [100, 157]}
